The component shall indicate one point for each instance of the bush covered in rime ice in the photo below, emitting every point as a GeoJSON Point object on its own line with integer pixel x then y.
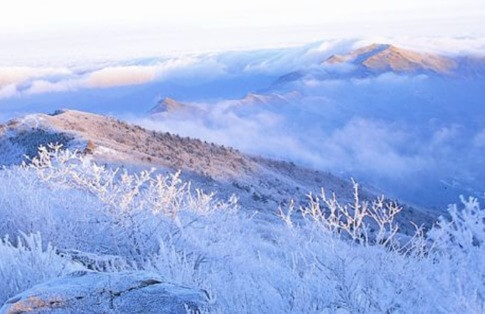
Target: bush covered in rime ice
{"type": "Point", "coordinates": [62, 212]}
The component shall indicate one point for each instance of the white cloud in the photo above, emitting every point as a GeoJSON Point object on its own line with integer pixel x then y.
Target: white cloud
{"type": "Point", "coordinates": [43, 86]}
{"type": "Point", "coordinates": [446, 134]}
{"type": "Point", "coordinates": [479, 139]}
{"type": "Point", "coordinates": [8, 91]}
{"type": "Point", "coordinates": [197, 67]}
{"type": "Point", "coordinates": [375, 146]}
{"type": "Point", "coordinates": [20, 74]}
{"type": "Point", "coordinates": [121, 75]}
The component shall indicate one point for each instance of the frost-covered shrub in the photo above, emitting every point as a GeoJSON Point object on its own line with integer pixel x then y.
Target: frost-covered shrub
{"type": "Point", "coordinates": [77, 204]}
{"type": "Point", "coordinates": [363, 222]}
{"type": "Point", "coordinates": [322, 258]}
{"type": "Point", "coordinates": [27, 262]}
{"type": "Point", "coordinates": [10, 153]}
{"type": "Point", "coordinates": [458, 248]}
{"type": "Point", "coordinates": [464, 231]}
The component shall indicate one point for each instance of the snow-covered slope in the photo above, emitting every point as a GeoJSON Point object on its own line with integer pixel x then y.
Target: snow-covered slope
{"type": "Point", "coordinates": [260, 183]}
{"type": "Point", "coordinates": [148, 237]}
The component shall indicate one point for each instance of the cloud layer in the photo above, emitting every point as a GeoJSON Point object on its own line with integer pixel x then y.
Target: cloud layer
{"type": "Point", "coordinates": [408, 135]}
{"type": "Point", "coordinates": [418, 137]}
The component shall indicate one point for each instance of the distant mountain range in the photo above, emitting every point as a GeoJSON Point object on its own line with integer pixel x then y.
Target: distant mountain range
{"type": "Point", "coordinates": [376, 59]}
{"type": "Point", "coordinates": [423, 94]}
{"type": "Point", "coordinates": [168, 106]}
{"type": "Point", "coordinates": [367, 61]}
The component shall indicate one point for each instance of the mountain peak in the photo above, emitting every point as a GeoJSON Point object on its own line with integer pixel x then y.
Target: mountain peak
{"type": "Point", "coordinates": [385, 57]}
{"type": "Point", "coordinates": [167, 105]}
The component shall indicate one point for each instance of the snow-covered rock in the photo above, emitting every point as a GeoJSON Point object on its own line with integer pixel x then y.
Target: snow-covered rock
{"type": "Point", "coordinates": [97, 292]}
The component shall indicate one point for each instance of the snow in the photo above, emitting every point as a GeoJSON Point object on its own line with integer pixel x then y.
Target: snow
{"type": "Point", "coordinates": [246, 234]}
{"type": "Point", "coordinates": [245, 261]}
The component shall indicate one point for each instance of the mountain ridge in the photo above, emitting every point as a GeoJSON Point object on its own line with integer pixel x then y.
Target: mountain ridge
{"type": "Point", "coordinates": [386, 57]}
{"type": "Point", "coordinates": [378, 58]}
{"type": "Point", "coordinates": [262, 184]}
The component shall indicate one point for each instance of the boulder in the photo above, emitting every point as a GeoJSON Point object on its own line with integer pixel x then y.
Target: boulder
{"type": "Point", "coordinates": [99, 292]}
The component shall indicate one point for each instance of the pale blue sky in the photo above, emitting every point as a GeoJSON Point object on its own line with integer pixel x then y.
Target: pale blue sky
{"type": "Point", "coordinates": [95, 28]}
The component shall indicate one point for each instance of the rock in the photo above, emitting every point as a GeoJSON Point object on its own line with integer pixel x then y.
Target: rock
{"type": "Point", "coordinates": [99, 292]}
{"type": "Point", "coordinates": [90, 147]}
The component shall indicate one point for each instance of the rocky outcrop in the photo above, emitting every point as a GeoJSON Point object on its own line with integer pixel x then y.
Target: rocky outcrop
{"type": "Point", "coordinates": [96, 292]}
{"type": "Point", "coordinates": [90, 147]}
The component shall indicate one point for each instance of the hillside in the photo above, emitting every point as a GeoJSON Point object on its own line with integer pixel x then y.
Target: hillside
{"type": "Point", "coordinates": [260, 183]}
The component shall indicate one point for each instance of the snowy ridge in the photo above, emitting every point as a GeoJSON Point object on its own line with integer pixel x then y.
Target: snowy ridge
{"type": "Point", "coordinates": [260, 183]}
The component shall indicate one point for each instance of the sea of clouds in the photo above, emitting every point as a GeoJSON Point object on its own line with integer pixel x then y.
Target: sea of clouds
{"type": "Point", "coordinates": [417, 137]}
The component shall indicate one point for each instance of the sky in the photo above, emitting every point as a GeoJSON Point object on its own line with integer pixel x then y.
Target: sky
{"type": "Point", "coordinates": [77, 30]}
